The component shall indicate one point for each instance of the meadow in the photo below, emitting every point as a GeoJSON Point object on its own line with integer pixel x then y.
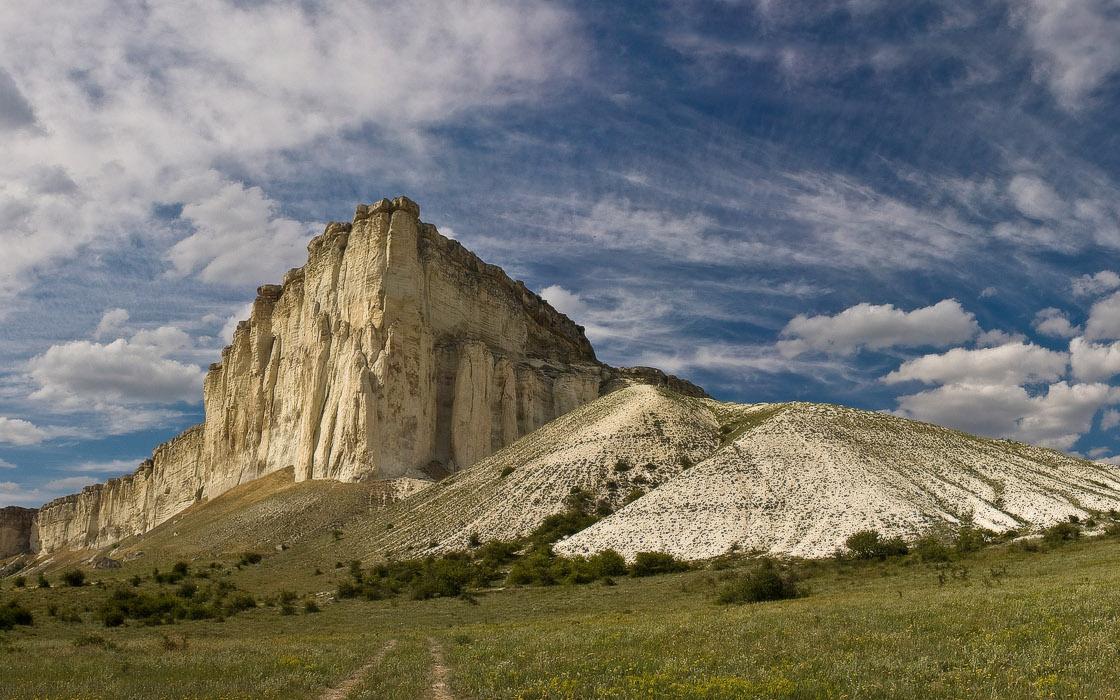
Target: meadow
{"type": "Point", "coordinates": [1008, 621]}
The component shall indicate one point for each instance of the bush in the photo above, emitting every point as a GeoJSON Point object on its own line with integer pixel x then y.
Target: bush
{"type": "Point", "coordinates": [869, 544]}
{"type": "Point", "coordinates": [310, 606]}
{"type": "Point", "coordinates": [1061, 533]}
{"type": "Point", "coordinates": [970, 539]}
{"type": "Point", "coordinates": [931, 548]}
{"type": "Point", "coordinates": [764, 582]}
{"type": "Point", "coordinates": [12, 614]}
{"type": "Point", "coordinates": [74, 577]}
{"type": "Point", "coordinates": [608, 563]}
{"type": "Point", "coordinates": [43, 582]}
{"type": "Point", "coordinates": [653, 563]}
{"type": "Point", "coordinates": [250, 558]}
{"type": "Point", "coordinates": [506, 471]}
{"type": "Point", "coordinates": [20, 581]}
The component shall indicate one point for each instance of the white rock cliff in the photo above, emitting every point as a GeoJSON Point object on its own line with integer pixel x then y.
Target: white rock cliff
{"type": "Point", "coordinates": [393, 352]}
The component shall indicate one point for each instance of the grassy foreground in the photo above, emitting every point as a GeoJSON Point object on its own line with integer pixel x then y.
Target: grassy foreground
{"type": "Point", "coordinates": [1000, 623]}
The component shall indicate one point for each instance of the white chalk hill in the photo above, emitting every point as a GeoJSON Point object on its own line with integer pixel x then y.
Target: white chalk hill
{"type": "Point", "coordinates": [794, 478]}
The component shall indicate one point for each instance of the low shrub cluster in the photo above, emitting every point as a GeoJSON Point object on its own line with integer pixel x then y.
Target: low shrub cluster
{"type": "Point", "coordinates": [530, 561]}
{"type": "Point", "coordinates": [764, 582]}
{"type": "Point", "coordinates": [869, 544]}
{"type": "Point", "coordinates": [188, 601]}
{"type": "Point", "coordinates": [12, 614]}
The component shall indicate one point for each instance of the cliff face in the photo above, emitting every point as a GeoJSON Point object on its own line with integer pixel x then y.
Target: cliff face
{"type": "Point", "coordinates": [393, 352]}
{"type": "Point", "coordinates": [15, 530]}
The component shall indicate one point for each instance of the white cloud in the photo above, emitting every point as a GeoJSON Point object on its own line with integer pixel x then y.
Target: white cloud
{"type": "Point", "coordinates": [238, 238]}
{"type": "Point", "coordinates": [112, 466]}
{"type": "Point", "coordinates": [111, 322]}
{"type": "Point", "coordinates": [1008, 365]}
{"type": "Point", "coordinates": [16, 431]}
{"type": "Point", "coordinates": [13, 494]}
{"type": "Point", "coordinates": [1104, 319]}
{"type": "Point", "coordinates": [70, 483]}
{"type": "Point", "coordinates": [878, 327]}
{"type": "Point", "coordinates": [1056, 419]}
{"type": "Point", "coordinates": [82, 374]}
{"type": "Point", "coordinates": [1094, 285]}
{"type": "Point", "coordinates": [1094, 361]}
{"type": "Point", "coordinates": [5, 464]}
{"type": "Point", "coordinates": [241, 314]}
{"type": "Point", "coordinates": [1034, 198]}
{"type": "Point", "coordinates": [1111, 461]}
{"type": "Point", "coordinates": [1075, 43]}
{"type": "Point", "coordinates": [136, 104]}
{"type": "Point", "coordinates": [1055, 323]}
{"type": "Point", "coordinates": [1110, 419]}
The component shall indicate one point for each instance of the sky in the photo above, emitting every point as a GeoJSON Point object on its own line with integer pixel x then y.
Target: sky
{"type": "Point", "coordinates": [906, 207]}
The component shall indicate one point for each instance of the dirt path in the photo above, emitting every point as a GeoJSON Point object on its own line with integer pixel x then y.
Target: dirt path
{"type": "Point", "coordinates": [344, 689]}
{"type": "Point", "coordinates": [440, 689]}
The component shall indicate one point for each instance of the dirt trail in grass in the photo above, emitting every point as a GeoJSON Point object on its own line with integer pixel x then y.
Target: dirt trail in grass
{"type": "Point", "coordinates": [347, 686]}
{"type": "Point", "coordinates": [440, 689]}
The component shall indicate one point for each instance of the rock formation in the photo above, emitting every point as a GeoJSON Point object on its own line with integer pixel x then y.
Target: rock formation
{"type": "Point", "coordinates": [15, 530]}
{"type": "Point", "coordinates": [393, 352]}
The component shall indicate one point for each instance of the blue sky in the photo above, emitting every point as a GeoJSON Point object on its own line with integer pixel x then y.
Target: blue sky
{"type": "Point", "coordinates": [912, 207]}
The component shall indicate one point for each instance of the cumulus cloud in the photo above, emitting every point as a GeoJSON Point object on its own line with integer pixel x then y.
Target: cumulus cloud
{"type": "Point", "coordinates": [81, 374]}
{"type": "Point", "coordinates": [1056, 419]}
{"type": "Point", "coordinates": [1008, 365]}
{"type": "Point", "coordinates": [5, 464]}
{"type": "Point", "coordinates": [238, 238]}
{"type": "Point", "coordinates": [1035, 198]}
{"type": "Point", "coordinates": [1055, 323]}
{"type": "Point", "coordinates": [1104, 319]}
{"type": "Point", "coordinates": [110, 323]}
{"type": "Point", "coordinates": [878, 327]}
{"type": "Point", "coordinates": [16, 431]}
{"type": "Point", "coordinates": [138, 104]}
{"type": "Point", "coordinates": [1094, 285]}
{"type": "Point", "coordinates": [242, 313]}
{"type": "Point", "coordinates": [1075, 45]}
{"type": "Point", "coordinates": [1094, 361]}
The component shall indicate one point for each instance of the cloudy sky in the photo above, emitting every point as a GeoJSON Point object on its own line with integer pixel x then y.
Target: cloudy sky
{"type": "Point", "coordinates": [911, 207]}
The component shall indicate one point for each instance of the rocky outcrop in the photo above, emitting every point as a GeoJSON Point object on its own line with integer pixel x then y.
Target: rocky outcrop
{"type": "Point", "coordinates": [15, 530]}
{"type": "Point", "coordinates": [392, 353]}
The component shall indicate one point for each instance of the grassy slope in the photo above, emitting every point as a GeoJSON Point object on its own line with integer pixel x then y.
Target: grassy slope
{"type": "Point", "coordinates": [1045, 629]}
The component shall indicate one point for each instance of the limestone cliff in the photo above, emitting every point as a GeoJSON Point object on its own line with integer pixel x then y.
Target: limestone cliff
{"type": "Point", "coordinates": [15, 530]}
{"type": "Point", "coordinates": [392, 352]}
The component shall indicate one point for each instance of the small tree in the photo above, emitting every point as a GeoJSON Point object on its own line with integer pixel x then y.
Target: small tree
{"type": "Point", "coordinates": [74, 577]}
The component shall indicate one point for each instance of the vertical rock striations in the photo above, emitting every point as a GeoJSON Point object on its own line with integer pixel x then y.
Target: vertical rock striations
{"type": "Point", "coordinates": [392, 352]}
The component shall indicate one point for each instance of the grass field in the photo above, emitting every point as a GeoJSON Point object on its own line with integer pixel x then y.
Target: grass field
{"type": "Point", "coordinates": [1000, 623]}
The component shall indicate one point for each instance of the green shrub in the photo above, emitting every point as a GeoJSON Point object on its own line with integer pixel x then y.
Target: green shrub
{"type": "Point", "coordinates": [931, 548]}
{"type": "Point", "coordinates": [622, 466]}
{"type": "Point", "coordinates": [653, 563]}
{"type": "Point", "coordinates": [970, 539]}
{"type": "Point", "coordinates": [20, 581]}
{"type": "Point", "coordinates": [310, 606]}
{"type": "Point", "coordinates": [43, 582]}
{"type": "Point", "coordinates": [250, 558]}
{"type": "Point", "coordinates": [74, 577]}
{"type": "Point", "coordinates": [1061, 533]}
{"type": "Point", "coordinates": [12, 614]}
{"type": "Point", "coordinates": [762, 583]}
{"type": "Point", "coordinates": [608, 563]}
{"type": "Point", "coordinates": [869, 544]}
{"type": "Point", "coordinates": [506, 471]}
